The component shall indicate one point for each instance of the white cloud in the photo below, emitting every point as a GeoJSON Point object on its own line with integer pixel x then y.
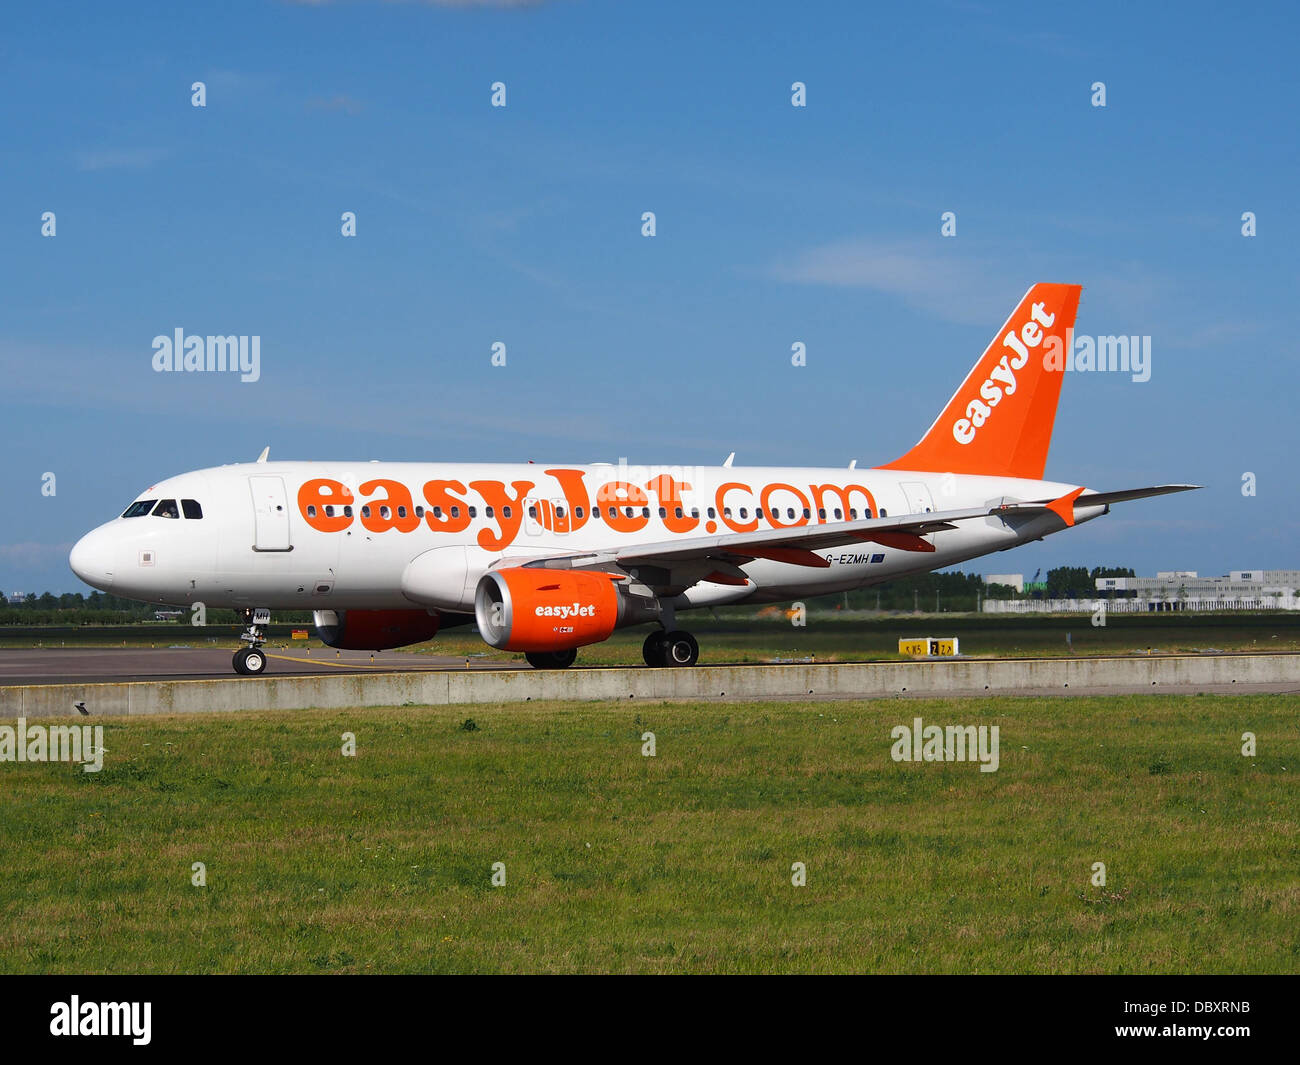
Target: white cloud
{"type": "Point", "coordinates": [926, 274]}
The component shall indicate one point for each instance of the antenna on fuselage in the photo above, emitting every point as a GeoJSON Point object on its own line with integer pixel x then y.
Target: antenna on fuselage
{"type": "Point", "coordinates": [265, 451]}
{"type": "Point", "coordinates": [730, 458]}
{"type": "Point", "coordinates": [853, 465]}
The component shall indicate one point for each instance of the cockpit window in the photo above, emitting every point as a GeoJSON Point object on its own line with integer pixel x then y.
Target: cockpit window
{"type": "Point", "coordinates": [166, 508]}
{"type": "Point", "coordinates": [191, 508]}
{"type": "Point", "coordinates": [139, 508]}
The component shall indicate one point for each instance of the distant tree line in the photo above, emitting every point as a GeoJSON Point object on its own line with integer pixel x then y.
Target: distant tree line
{"type": "Point", "coordinates": [100, 608]}
{"type": "Point", "coordinates": [964, 591]}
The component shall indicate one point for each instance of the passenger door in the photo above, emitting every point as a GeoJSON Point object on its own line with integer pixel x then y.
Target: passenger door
{"type": "Point", "coordinates": [270, 514]}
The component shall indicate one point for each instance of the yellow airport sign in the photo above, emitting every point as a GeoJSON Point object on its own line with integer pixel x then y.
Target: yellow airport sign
{"type": "Point", "coordinates": [928, 646]}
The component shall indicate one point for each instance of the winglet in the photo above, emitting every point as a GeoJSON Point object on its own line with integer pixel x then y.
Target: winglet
{"type": "Point", "coordinates": [1063, 508]}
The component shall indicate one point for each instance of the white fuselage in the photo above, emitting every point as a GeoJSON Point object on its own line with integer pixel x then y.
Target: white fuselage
{"type": "Point", "coordinates": [341, 535]}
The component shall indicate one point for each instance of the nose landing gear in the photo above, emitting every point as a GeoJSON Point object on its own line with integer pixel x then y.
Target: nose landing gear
{"type": "Point", "coordinates": [250, 661]}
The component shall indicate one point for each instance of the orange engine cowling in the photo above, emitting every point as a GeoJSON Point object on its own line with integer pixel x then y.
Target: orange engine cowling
{"type": "Point", "coordinates": [374, 630]}
{"type": "Point", "coordinates": [523, 609]}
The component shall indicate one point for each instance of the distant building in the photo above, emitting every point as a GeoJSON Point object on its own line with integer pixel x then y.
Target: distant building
{"type": "Point", "coordinates": [1015, 580]}
{"type": "Point", "coordinates": [1244, 589]}
{"type": "Point", "coordinates": [17, 597]}
{"type": "Point", "coordinates": [1175, 591]}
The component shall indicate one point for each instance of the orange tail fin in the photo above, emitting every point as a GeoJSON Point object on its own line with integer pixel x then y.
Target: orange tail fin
{"type": "Point", "coordinates": [999, 422]}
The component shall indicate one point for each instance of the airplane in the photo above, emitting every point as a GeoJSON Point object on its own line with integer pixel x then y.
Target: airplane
{"type": "Point", "coordinates": [548, 558]}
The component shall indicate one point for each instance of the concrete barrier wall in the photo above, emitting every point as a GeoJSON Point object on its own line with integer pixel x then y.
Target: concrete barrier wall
{"type": "Point", "coordinates": [957, 677]}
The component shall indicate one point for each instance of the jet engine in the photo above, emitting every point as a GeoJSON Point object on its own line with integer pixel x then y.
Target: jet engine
{"type": "Point", "coordinates": [535, 609]}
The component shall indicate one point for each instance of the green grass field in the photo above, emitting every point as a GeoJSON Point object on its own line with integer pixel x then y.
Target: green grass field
{"type": "Point", "coordinates": [676, 863]}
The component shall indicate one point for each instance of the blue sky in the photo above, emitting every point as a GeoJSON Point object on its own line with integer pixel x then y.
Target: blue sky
{"type": "Point", "coordinates": [775, 224]}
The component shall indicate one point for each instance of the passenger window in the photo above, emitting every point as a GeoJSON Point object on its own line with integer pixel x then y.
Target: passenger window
{"type": "Point", "coordinates": [807, 513]}
{"type": "Point", "coordinates": [726, 512]}
{"type": "Point", "coordinates": [311, 510]}
{"type": "Point", "coordinates": [505, 512]}
{"type": "Point", "coordinates": [789, 513]}
{"type": "Point", "coordinates": [191, 509]}
{"type": "Point", "coordinates": [711, 513]}
{"type": "Point", "coordinates": [437, 512]}
{"type": "Point", "coordinates": [821, 513]}
{"type": "Point", "coordinates": [401, 512]}
{"type": "Point", "coordinates": [329, 510]}
{"type": "Point", "coordinates": [365, 511]}
{"type": "Point", "coordinates": [347, 511]}
{"type": "Point", "coordinates": [645, 512]}
{"type": "Point", "coordinates": [487, 511]}
{"type": "Point", "coordinates": [139, 508]}
{"type": "Point", "coordinates": [419, 512]}
{"type": "Point", "coordinates": [578, 512]}
{"type": "Point", "coordinates": [677, 512]}
{"type": "Point", "coordinates": [838, 514]}
{"type": "Point", "coordinates": [695, 512]}
{"type": "Point", "coordinates": [559, 512]}
{"type": "Point", "coordinates": [166, 508]}
{"type": "Point", "coordinates": [663, 512]}
{"type": "Point", "coordinates": [473, 512]}
{"type": "Point", "coordinates": [744, 512]}
{"type": "Point", "coordinates": [532, 512]}
{"type": "Point", "coordinates": [455, 512]}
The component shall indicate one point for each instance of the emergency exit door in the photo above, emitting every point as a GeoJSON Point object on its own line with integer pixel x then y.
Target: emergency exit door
{"type": "Point", "coordinates": [918, 497]}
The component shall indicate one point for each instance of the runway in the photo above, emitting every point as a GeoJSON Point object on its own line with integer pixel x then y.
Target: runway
{"type": "Point", "coordinates": [102, 665]}
{"type": "Point", "coordinates": [124, 681]}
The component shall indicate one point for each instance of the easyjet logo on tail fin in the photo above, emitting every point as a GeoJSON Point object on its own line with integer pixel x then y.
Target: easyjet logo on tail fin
{"type": "Point", "coordinates": [999, 421]}
{"type": "Point", "coordinates": [1002, 377]}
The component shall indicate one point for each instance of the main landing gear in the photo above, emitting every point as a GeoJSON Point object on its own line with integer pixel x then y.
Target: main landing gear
{"type": "Point", "coordinates": [674, 648]}
{"type": "Point", "coordinates": [250, 661]}
{"type": "Point", "coordinates": [551, 659]}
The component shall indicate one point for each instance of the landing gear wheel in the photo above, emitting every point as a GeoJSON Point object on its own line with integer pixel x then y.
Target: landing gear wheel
{"type": "Point", "coordinates": [249, 662]}
{"type": "Point", "coordinates": [680, 649]}
{"type": "Point", "coordinates": [655, 648]}
{"type": "Point", "coordinates": [551, 659]}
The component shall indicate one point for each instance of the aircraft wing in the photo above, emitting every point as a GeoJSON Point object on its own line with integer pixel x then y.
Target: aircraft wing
{"type": "Point", "coordinates": [686, 561]}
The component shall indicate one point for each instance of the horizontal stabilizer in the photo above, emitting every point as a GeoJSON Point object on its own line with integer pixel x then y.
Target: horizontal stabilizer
{"type": "Point", "coordinates": [1097, 499]}
{"type": "Point", "coordinates": [1080, 497]}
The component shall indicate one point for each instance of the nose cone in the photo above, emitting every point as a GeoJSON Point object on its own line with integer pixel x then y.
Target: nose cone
{"type": "Point", "coordinates": [92, 559]}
